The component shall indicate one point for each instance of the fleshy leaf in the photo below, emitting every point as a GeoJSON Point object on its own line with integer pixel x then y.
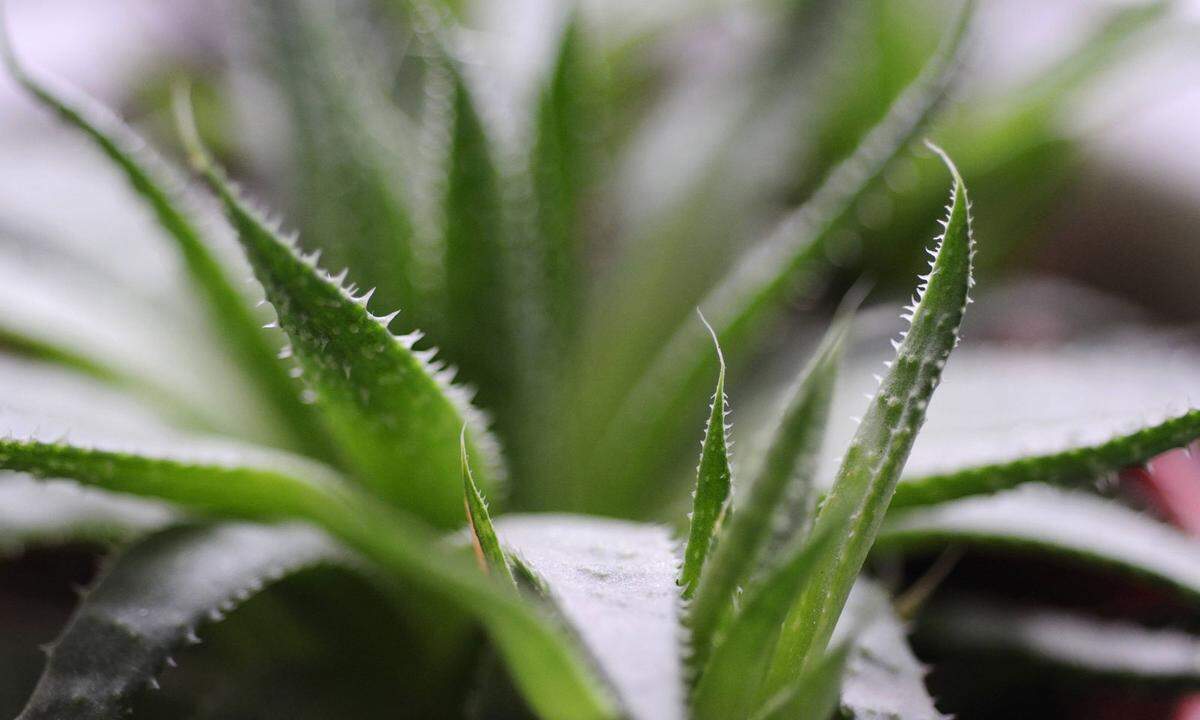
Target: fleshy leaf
{"type": "Point", "coordinates": [1078, 465]}
{"type": "Point", "coordinates": [814, 694]}
{"type": "Point", "coordinates": [778, 500]}
{"type": "Point", "coordinates": [1050, 521]}
{"type": "Point", "coordinates": [150, 603]}
{"type": "Point", "coordinates": [645, 420]}
{"type": "Point", "coordinates": [1057, 640]}
{"type": "Point", "coordinates": [163, 191]}
{"type": "Point", "coordinates": [875, 457]}
{"type": "Point", "coordinates": [389, 407]}
{"type": "Point", "coordinates": [545, 664]}
{"type": "Point", "coordinates": [41, 514]}
{"type": "Point", "coordinates": [613, 581]}
{"type": "Point", "coordinates": [730, 684]}
{"type": "Point", "coordinates": [713, 484]}
{"type": "Point", "coordinates": [483, 536]}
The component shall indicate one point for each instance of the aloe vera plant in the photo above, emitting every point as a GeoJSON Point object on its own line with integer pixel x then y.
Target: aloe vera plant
{"type": "Point", "coordinates": [365, 454]}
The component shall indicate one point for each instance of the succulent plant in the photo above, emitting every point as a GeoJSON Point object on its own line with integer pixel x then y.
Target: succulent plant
{"type": "Point", "coordinates": [353, 448]}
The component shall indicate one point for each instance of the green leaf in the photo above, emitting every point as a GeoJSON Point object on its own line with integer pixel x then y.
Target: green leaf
{"type": "Point", "coordinates": [150, 603]}
{"type": "Point", "coordinates": [731, 683]}
{"type": "Point", "coordinates": [1078, 465]}
{"type": "Point", "coordinates": [479, 333]}
{"type": "Point", "coordinates": [45, 514]}
{"type": "Point", "coordinates": [163, 191]}
{"type": "Point", "coordinates": [873, 462]}
{"type": "Point", "coordinates": [613, 581]}
{"type": "Point", "coordinates": [1045, 639]}
{"type": "Point", "coordinates": [483, 536]}
{"type": "Point", "coordinates": [560, 167]}
{"type": "Point", "coordinates": [778, 500]}
{"type": "Point", "coordinates": [545, 664]}
{"type": "Point", "coordinates": [1045, 520]}
{"type": "Point", "coordinates": [389, 407]}
{"type": "Point", "coordinates": [359, 173]}
{"type": "Point", "coordinates": [713, 482]}
{"type": "Point", "coordinates": [645, 418]}
{"type": "Point", "coordinates": [814, 694]}
{"type": "Point", "coordinates": [883, 678]}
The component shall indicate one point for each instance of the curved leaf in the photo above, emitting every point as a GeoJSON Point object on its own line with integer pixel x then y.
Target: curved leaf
{"type": "Point", "coordinates": [1056, 640]}
{"type": "Point", "coordinates": [545, 664]}
{"type": "Point", "coordinates": [163, 191]}
{"type": "Point", "coordinates": [875, 457]}
{"type": "Point", "coordinates": [713, 480]}
{"type": "Point", "coordinates": [646, 418]}
{"type": "Point", "coordinates": [483, 536]}
{"type": "Point", "coordinates": [149, 604]}
{"type": "Point", "coordinates": [390, 408]}
{"type": "Point", "coordinates": [778, 501]}
{"type": "Point", "coordinates": [614, 582]}
{"type": "Point", "coordinates": [1041, 519]}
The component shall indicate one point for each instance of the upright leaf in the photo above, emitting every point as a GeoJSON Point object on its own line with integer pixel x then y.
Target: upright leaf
{"type": "Point", "coordinates": [641, 422]}
{"type": "Point", "coordinates": [814, 694]}
{"type": "Point", "coordinates": [393, 412]}
{"type": "Point", "coordinates": [483, 536]}
{"type": "Point", "coordinates": [548, 668]}
{"type": "Point", "coordinates": [163, 191]}
{"type": "Point", "coordinates": [778, 500]}
{"type": "Point", "coordinates": [560, 167]}
{"type": "Point", "coordinates": [713, 482]}
{"type": "Point", "coordinates": [873, 462]}
{"type": "Point", "coordinates": [150, 604]}
{"type": "Point", "coordinates": [479, 333]}
{"type": "Point", "coordinates": [1072, 525]}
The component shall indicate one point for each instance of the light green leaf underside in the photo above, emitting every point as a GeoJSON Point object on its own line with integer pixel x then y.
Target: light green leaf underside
{"type": "Point", "coordinates": [752, 293]}
{"type": "Point", "coordinates": [36, 514]}
{"type": "Point", "coordinates": [393, 410]}
{"type": "Point", "coordinates": [545, 664]}
{"type": "Point", "coordinates": [1045, 420]}
{"type": "Point", "coordinates": [614, 582]}
{"type": "Point", "coordinates": [883, 679]}
{"type": "Point", "coordinates": [713, 483]}
{"type": "Point", "coordinates": [1048, 639]}
{"type": "Point", "coordinates": [150, 603]}
{"type": "Point", "coordinates": [777, 503]}
{"type": "Point", "coordinates": [814, 694]}
{"type": "Point", "coordinates": [867, 478]}
{"type": "Point", "coordinates": [164, 192]}
{"type": "Point", "coordinates": [1044, 520]}
{"type": "Point", "coordinates": [483, 536]}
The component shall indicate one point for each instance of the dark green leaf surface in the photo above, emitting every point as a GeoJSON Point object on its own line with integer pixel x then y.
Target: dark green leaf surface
{"type": "Point", "coordinates": [713, 483]}
{"type": "Point", "coordinates": [632, 445]}
{"type": "Point", "coordinates": [163, 191]}
{"type": "Point", "coordinates": [545, 664]}
{"type": "Point", "coordinates": [875, 457]}
{"type": "Point", "coordinates": [778, 500]}
{"type": "Point", "coordinates": [392, 409]}
{"type": "Point", "coordinates": [1055, 640]}
{"type": "Point", "coordinates": [613, 581]}
{"type": "Point", "coordinates": [150, 604]}
{"type": "Point", "coordinates": [1044, 520]}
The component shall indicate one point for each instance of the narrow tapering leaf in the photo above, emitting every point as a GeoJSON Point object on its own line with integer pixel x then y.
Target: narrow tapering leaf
{"type": "Point", "coordinates": [151, 603]}
{"type": "Point", "coordinates": [814, 693]}
{"type": "Point", "coordinates": [1064, 642]}
{"type": "Point", "coordinates": [867, 478]}
{"type": "Point", "coordinates": [644, 420]}
{"type": "Point", "coordinates": [1048, 521]}
{"type": "Point", "coordinates": [547, 666]}
{"type": "Point", "coordinates": [164, 191]}
{"type": "Point", "coordinates": [713, 484]}
{"type": "Point", "coordinates": [393, 411]}
{"type": "Point", "coordinates": [778, 500]}
{"type": "Point", "coordinates": [1075, 466]}
{"type": "Point", "coordinates": [730, 684]}
{"type": "Point", "coordinates": [483, 536]}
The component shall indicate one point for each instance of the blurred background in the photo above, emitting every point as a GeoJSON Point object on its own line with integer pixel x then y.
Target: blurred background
{"type": "Point", "coordinates": [1076, 124]}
